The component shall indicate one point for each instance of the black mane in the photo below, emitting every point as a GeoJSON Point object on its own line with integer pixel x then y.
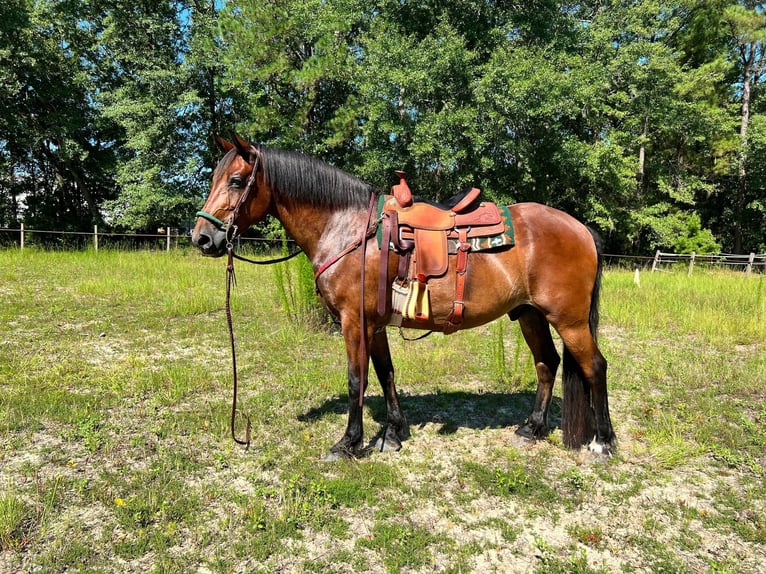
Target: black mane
{"type": "Point", "coordinates": [296, 176]}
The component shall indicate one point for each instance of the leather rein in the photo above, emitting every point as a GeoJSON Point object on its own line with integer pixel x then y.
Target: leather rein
{"type": "Point", "coordinates": [232, 231]}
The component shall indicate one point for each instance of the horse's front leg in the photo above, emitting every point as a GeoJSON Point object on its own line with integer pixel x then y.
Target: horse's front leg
{"type": "Point", "coordinates": [351, 443]}
{"type": "Point", "coordinates": [396, 429]}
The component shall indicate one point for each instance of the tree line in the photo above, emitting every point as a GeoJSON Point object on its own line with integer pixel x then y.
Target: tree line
{"type": "Point", "coordinates": [644, 119]}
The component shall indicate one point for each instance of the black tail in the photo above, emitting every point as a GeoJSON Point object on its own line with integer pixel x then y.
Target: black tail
{"type": "Point", "coordinates": [578, 423]}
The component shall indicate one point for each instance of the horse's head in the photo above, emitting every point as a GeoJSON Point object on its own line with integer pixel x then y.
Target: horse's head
{"type": "Point", "coordinates": [238, 198]}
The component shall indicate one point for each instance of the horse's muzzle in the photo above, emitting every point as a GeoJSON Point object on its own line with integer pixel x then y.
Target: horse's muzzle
{"type": "Point", "coordinates": [211, 242]}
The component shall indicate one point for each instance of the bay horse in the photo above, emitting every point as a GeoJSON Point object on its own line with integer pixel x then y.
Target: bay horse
{"type": "Point", "coordinates": [549, 278]}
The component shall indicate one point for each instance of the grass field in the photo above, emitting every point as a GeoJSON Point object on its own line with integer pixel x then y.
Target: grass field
{"type": "Point", "coordinates": [115, 453]}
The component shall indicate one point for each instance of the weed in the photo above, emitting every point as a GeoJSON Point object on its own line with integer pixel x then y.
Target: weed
{"type": "Point", "coordinates": [296, 288]}
{"type": "Point", "coordinates": [551, 563]}
{"type": "Point", "coordinates": [90, 432]}
{"type": "Point", "coordinates": [513, 480]}
{"type": "Point", "coordinates": [498, 351]}
{"type": "Point", "coordinates": [592, 536]}
{"type": "Point", "coordinates": [659, 557]}
{"type": "Point", "coordinates": [13, 514]}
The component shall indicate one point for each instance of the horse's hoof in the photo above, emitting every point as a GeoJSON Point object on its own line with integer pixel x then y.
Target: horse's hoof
{"type": "Point", "coordinates": [334, 456]}
{"type": "Point", "coordinates": [531, 433]}
{"type": "Point", "coordinates": [339, 453]}
{"type": "Point", "coordinates": [525, 431]}
{"type": "Point", "coordinates": [388, 445]}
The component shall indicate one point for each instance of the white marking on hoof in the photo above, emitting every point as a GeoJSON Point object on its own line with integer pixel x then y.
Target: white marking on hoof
{"type": "Point", "coordinates": [597, 447]}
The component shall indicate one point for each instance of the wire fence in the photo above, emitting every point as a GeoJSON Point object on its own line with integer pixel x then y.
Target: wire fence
{"type": "Point", "coordinates": [166, 239]}
{"type": "Point", "coordinates": [169, 239]}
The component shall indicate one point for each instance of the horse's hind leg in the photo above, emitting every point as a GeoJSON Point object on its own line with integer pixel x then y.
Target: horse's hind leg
{"type": "Point", "coordinates": [585, 416]}
{"type": "Point", "coordinates": [396, 425]}
{"type": "Point", "coordinates": [537, 335]}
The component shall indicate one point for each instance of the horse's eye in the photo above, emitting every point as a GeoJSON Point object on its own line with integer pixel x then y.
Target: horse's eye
{"type": "Point", "coordinates": [235, 181]}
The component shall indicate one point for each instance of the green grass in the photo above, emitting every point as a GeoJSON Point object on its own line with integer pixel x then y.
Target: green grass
{"type": "Point", "coordinates": [115, 452]}
{"type": "Point", "coordinates": [13, 512]}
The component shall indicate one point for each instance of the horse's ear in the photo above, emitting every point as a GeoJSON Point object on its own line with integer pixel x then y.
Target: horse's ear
{"type": "Point", "coordinates": [223, 145]}
{"type": "Point", "coordinates": [244, 147]}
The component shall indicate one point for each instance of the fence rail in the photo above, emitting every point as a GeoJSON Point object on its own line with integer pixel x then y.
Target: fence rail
{"type": "Point", "coordinates": [168, 239]}
{"type": "Point", "coordinates": [753, 261]}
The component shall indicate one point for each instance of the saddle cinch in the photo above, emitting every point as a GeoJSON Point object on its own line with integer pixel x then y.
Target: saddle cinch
{"type": "Point", "coordinates": [424, 235]}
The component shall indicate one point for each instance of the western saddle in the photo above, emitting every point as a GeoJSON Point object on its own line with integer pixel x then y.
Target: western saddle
{"type": "Point", "coordinates": [424, 235]}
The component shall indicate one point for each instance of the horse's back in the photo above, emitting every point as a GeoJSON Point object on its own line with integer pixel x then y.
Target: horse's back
{"type": "Point", "coordinates": [539, 226]}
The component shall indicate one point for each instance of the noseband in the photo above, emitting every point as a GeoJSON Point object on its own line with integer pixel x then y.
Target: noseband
{"type": "Point", "coordinates": [231, 229]}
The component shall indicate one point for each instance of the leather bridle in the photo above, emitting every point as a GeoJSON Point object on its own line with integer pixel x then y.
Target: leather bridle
{"type": "Point", "coordinates": [230, 226]}
{"type": "Point", "coordinates": [232, 231]}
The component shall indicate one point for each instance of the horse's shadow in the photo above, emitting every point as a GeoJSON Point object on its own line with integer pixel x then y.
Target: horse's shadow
{"type": "Point", "coordinates": [450, 410]}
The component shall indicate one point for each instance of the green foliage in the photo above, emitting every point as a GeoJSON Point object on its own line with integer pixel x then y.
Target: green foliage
{"type": "Point", "coordinates": [629, 116]}
{"type": "Point", "coordinates": [156, 104]}
{"type": "Point", "coordinates": [297, 291]}
{"type": "Point", "coordinates": [552, 563]}
{"type": "Point", "coordinates": [498, 352]}
{"type": "Point", "coordinates": [678, 231]}
{"type": "Point", "coordinates": [404, 547]}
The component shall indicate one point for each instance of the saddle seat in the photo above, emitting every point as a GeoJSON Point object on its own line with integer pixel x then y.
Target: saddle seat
{"type": "Point", "coordinates": [458, 203]}
{"type": "Point", "coordinates": [421, 231]}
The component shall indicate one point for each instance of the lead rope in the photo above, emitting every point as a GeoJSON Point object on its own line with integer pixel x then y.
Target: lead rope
{"type": "Point", "coordinates": [231, 279]}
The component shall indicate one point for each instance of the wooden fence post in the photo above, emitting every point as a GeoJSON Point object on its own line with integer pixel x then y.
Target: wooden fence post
{"type": "Point", "coordinates": [167, 243]}
{"type": "Point", "coordinates": [95, 237]}
{"type": "Point", "coordinates": [656, 261]}
{"type": "Point", "coordinates": [21, 241]}
{"type": "Point", "coordinates": [691, 262]}
{"type": "Point", "coordinates": [749, 267]}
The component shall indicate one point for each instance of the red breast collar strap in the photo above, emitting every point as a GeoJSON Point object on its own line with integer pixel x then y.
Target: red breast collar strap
{"type": "Point", "coordinates": [371, 230]}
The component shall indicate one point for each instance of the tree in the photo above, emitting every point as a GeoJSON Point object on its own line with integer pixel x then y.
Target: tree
{"type": "Point", "coordinates": [151, 93]}
{"type": "Point", "coordinates": [54, 147]}
{"type": "Point", "coordinates": [644, 119]}
{"type": "Point", "coordinates": [746, 24]}
{"type": "Point", "coordinates": [728, 35]}
{"type": "Point", "coordinates": [285, 71]}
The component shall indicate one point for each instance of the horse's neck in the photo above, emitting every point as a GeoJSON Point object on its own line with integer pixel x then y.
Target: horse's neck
{"type": "Point", "coordinates": [321, 232]}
